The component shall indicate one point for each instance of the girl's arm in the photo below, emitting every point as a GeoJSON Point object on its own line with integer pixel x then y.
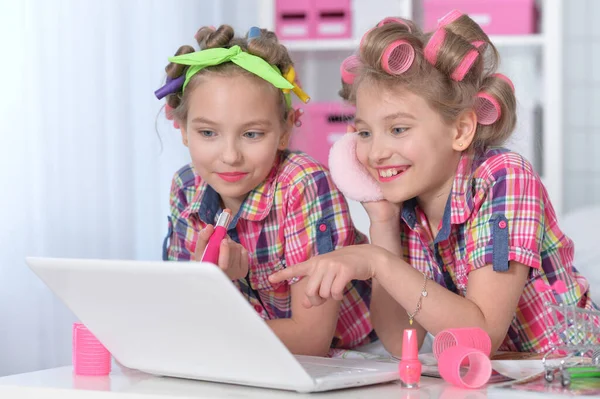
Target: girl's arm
{"type": "Point", "coordinates": [490, 303]}
{"type": "Point", "coordinates": [491, 300]}
{"type": "Point", "coordinates": [317, 221]}
{"type": "Point", "coordinates": [389, 318]}
{"type": "Point", "coordinates": [308, 331]}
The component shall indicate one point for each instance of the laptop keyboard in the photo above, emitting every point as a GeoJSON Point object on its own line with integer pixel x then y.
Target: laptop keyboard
{"type": "Point", "coordinates": [320, 370]}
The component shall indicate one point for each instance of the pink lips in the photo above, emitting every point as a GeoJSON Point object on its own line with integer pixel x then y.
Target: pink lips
{"type": "Point", "coordinates": [232, 177]}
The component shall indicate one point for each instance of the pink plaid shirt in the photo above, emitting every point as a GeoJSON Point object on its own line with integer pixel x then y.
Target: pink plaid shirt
{"type": "Point", "coordinates": [498, 212]}
{"type": "Point", "coordinates": [295, 214]}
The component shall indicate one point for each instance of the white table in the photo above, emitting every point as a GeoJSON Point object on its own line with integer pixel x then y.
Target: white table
{"type": "Point", "coordinates": [130, 384]}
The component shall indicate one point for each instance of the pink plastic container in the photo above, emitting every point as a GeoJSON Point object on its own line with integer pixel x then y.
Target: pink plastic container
{"type": "Point", "coordinates": [294, 19]}
{"type": "Point", "coordinates": [90, 357]}
{"type": "Point", "coordinates": [313, 19]}
{"type": "Point", "coordinates": [496, 17]}
{"type": "Point", "coordinates": [332, 19]}
{"type": "Point", "coordinates": [322, 124]}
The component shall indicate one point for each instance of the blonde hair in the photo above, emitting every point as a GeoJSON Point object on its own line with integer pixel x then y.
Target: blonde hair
{"type": "Point", "coordinates": [265, 46]}
{"type": "Point", "coordinates": [438, 84]}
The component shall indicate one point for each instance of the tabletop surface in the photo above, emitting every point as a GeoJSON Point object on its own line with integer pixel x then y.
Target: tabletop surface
{"type": "Point", "coordinates": [130, 384]}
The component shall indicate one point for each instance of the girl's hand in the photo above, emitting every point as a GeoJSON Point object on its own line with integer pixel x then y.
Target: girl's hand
{"type": "Point", "coordinates": [233, 257]}
{"type": "Point", "coordinates": [329, 274]}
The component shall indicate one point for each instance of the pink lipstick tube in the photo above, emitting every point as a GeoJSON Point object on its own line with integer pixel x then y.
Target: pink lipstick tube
{"type": "Point", "coordinates": [211, 252]}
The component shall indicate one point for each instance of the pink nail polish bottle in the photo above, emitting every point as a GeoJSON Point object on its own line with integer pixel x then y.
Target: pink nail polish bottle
{"type": "Point", "coordinates": [410, 366]}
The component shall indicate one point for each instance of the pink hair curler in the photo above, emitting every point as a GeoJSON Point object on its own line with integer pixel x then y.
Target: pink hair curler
{"type": "Point", "coordinates": [437, 39]}
{"type": "Point", "coordinates": [211, 252]}
{"type": "Point", "coordinates": [398, 57]}
{"type": "Point", "coordinates": [362, 39]}
{"type": "Point", "coordinates": [465, 66]}
{"type": "Point", "coordinates": [474, 337]}
{"type": "Point", "coordinates": [433, 45]}
{"type": "Point", "coordinates": [487, 109]}
{"type": "Point", "coordinates": [506, 79]}
{"type": "Point", "coordinates": [169, 116]}
{"type": "Point", "coordinates": [393, 20]}
{"type": "Point", "coordinates": [168, 112]}
{"type": "Point", "coordinates": [90, 357]}
{"type": "Point", "coordinates": [349, 175]}
{"type": "Point", "coordinates": [449, 18]}
{"type": "Point", "coordinates": [478, 368]}
{"type": "Point", "coordinates": [349, 69]}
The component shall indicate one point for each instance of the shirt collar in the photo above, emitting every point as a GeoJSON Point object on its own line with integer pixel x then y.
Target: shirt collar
{"type": "Point", "coordinates": [461, 197]}
{"type": "Point", "coordinates": [256, 206]}
{"type": "Point", "coordinates": [459, 205]}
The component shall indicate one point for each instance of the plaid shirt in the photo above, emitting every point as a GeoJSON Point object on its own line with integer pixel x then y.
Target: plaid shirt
{"type": "Point", "coordinates": [498, 212]}
{"type": "Point", "coordinates": [296, 213]}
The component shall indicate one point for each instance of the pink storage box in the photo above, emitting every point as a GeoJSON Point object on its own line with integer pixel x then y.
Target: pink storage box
{"type": "Point", "coordinates": [496, 17]}
{"type": "Point", "coordinates": [333, 19]}
{"type": "Point", "coordinates": [294, 19]}
{"type": "Point", "coordinates": [322, 124]}
{"type": "Point", "coordinates": [312, 19]}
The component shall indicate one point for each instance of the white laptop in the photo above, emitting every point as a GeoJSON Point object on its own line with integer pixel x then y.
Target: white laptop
{"type": "Point", "coordinates": [187, 320]}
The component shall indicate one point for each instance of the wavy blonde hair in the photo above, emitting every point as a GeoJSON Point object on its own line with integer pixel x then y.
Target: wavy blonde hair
{"type": "Point", "coordinates": [435, 83]}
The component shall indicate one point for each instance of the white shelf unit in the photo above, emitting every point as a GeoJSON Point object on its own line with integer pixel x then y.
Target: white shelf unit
{"type": "Point", "coordinates": [541, 53]}
{"type": "Point", "coordinates": [352, 44]}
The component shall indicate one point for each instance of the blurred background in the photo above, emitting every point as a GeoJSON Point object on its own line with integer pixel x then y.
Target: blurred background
{"type": "Point", "coordinates": [86, 155]}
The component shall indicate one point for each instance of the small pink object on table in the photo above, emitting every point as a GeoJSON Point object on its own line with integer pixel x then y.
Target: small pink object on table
{"type": "Point", "coordinates": [451, 367]}
{"type": "Point", "coordinates": [90, 357]}
{"type": "Point", "coordinates": [410, 365]}
{"type": "Point", "coordinates": [469, 337]}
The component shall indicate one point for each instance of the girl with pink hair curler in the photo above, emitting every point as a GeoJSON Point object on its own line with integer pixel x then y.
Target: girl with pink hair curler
{"type": "Point", "coordinates": [463, 233]}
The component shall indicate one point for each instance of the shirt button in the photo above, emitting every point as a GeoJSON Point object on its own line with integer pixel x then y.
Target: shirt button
{"type": "Point", "coordinates": [502, 224]}
{"type": "Point", "coordinates": [323, 227]}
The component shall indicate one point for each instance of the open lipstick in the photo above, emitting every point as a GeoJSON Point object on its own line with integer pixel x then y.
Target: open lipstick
{"type": "Point", "coordinates": [211, 252]}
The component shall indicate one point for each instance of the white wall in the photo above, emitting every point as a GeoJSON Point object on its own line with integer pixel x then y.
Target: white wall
{"type": "Point", "coordinates": [582, 103]}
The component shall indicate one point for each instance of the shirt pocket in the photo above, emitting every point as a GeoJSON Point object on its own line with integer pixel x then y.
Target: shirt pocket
{"type": "Point", "coordinates": [260, 272]}
{"type": "Point", "coordinates": [324, 237]}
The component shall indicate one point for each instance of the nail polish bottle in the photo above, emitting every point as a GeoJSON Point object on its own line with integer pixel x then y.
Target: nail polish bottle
{"type": "Point", "coordinates": [410, 366]}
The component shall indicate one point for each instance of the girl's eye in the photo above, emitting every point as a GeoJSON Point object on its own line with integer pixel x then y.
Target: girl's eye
{"type": "Point", "coordinates": [207, 133]}
{"type": "Point", "coordinates": [364, 134]}
{"type": "Point", "coordinates": [399, 130]}
{"type": "Point", "coordinates": [253, 135]}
